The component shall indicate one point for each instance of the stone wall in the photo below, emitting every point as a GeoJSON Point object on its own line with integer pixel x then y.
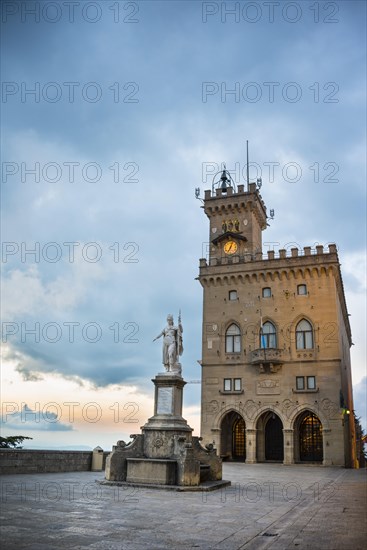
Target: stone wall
{"type": "Point", "coordinates": [23, 461]}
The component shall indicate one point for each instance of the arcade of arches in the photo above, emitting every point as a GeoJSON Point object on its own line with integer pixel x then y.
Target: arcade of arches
{"type": "Point", "coordinates": [267, 442]}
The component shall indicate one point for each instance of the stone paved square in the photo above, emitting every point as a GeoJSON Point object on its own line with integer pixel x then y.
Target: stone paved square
{"type": "Point", "coordinates": [267, 506]}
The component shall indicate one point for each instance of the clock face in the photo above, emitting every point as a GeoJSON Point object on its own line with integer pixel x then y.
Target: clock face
{"type": "Point", "coordinates": [230, 247]}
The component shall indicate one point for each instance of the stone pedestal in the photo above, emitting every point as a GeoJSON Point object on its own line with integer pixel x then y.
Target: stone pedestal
{"type": "Point", "coordinates": [165, 454]}
{"type": "Point", "coordinates": [168, 395]}
{"type": "Point", "coordinates": [167, 424]}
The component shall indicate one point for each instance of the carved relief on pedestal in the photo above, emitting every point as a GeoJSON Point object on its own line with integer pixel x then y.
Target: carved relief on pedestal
{"type": "Point", "coordinates": [158, 442]}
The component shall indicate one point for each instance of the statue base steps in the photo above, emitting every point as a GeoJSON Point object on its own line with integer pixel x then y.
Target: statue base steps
{"type": "Point", "coordinates": [205, 487]}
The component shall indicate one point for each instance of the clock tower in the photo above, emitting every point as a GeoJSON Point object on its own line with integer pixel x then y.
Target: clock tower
{"type": "Point", "coordinates": [276, 373]}
{"type": "Point", "coordinates": [237, 220]}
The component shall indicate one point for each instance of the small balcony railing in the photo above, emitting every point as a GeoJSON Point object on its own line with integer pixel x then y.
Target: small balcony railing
{"type": "Point", "coordinates": [267, 357]}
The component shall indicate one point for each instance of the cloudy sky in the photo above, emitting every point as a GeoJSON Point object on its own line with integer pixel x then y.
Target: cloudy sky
{"type": "Point", "coordinates": [113, 113]}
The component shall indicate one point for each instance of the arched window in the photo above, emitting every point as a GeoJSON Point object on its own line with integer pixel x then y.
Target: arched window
{"type": "Point", "coordinates": [233, 339]}
{"type": "Point", "coordinates": [304, 335]}
{"type": "Point", "coordinates": [268, 335]}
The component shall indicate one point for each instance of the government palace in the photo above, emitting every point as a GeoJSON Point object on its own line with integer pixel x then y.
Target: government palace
{"type": "Point", "coordinates": [276, 371]}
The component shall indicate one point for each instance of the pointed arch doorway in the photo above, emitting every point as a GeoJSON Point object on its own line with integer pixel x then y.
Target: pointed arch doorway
{"type": "Point", "coordinates": [270, 439]}
{"type": "Point", "coordinates": [310, 440]}
{"type": "Point", "coordinates": [274, 449]}
{"type": "Point", "coordinates": [233, 437]}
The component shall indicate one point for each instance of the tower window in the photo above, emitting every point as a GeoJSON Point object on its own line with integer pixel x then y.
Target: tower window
{"type": "Point", "coordinates": [233, 339]}
{"type": "Point", "coordinates": [268, 336]}
{"type": "Point", "coordinates": [304, 335]}
{"type": "Point", "coordinates": [232, 295]}
{"type": "Point", "coordinates": [302, 290]}
{"type": "Point", "coordinates": [266, 292]}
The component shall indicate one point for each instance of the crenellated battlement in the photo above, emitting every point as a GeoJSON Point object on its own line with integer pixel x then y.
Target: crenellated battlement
{"type": "Point", "coordinates": [227, 200]}
{"type": "Point", "coordinates": [281, 265]}
{"type": "Point", "coordinates": [281, 254]}
{"type": "Point", "coordinates": [219, 192]}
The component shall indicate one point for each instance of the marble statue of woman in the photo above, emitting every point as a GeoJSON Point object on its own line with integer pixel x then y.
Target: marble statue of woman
{"type": "Point", "coordinates": [172, 345]}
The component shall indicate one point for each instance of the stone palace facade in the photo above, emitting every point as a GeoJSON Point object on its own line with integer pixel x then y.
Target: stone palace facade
{"type": "Point", "coordinates": [276, 371]}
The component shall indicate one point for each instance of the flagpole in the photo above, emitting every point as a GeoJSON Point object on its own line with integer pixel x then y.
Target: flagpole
{"type": "Point", "coordinates": [248, 168]}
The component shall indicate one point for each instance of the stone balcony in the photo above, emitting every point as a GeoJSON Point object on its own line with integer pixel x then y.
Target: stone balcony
{"type": "Point", "coordinates": [267, 359]}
